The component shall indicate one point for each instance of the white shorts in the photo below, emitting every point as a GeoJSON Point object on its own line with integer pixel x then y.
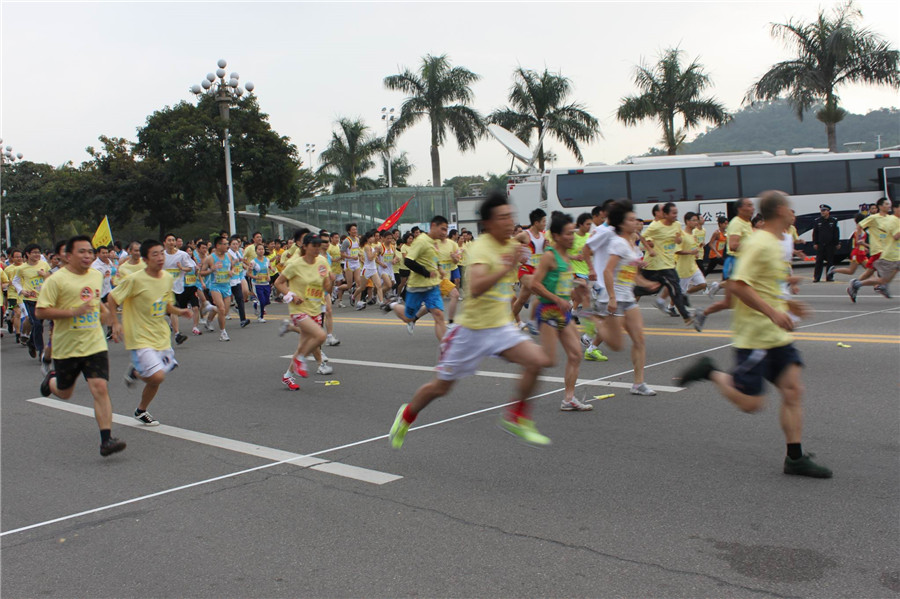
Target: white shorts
{"type": "Point", "coordinates": [368, 273]}
{"type": "Point", "coordinates": [695, 279]}
{"type": "Point", "coordinates": [621, 308]}
{"type": "Point", "coordinates": [462, 349]}
{"type": "Point", "coordinates": [352, 265]}
{"type": "Point", "coordinates": [386, 271]}
{"type": "Point", "coordinates": [149, 361]}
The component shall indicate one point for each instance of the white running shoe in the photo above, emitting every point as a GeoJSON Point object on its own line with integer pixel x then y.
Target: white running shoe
{"type": "Point", "coordinates": [209, 308]}
{"type": "Point", "coordinates": [332, 340]}
{"type": "Point", "coordinates": [713, 289]}
{"type": "Point", "coordinates": [224, 336]}
{"type": "Point", "coordinates": [574, 405]}
{"type": "Point", "coordinates": [324, 369]}
{"type": "Point", "coordinates": [196, 331]}
{"type": "Point", "coordinates": [642, 389]}
{"type": "Point", "coordinates": [410, 327]}
{"type": "Point", "coordinates": [228, 316]}
{"type": "Point", "coordinates": [284, 327]}
{"type": "Point", "coordinates": [661, 305]}
{"type": "Point", "coordinates": [261, 319]}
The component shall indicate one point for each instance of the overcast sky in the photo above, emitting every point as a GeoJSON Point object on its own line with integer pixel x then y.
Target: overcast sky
{"type": "Point", "coordinates": [74, 71]}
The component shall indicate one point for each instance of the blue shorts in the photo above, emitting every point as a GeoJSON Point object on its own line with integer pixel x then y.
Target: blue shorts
{"type": "Point", "coordinates": [225, 290]}
{"type": "Point", "coordinates": [431, 299]}
{"type": "Point", "coordinates": [754, 365]}
{"type": "Point", "coordinates": [455, 276]}
{"type": "Point", "coordinates": [728, 267]}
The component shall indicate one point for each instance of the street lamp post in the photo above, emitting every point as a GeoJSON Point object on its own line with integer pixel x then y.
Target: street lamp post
{"type": "Point", "coordinates": [225, 92]}
{"type": "Point", "coordinates": [7, 156]}
{"type": "Point", "coordinates": [310, 150]}
{"type": "Point", "coordinates": [388, 117]}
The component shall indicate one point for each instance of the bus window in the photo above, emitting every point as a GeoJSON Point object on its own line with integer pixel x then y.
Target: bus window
{"type": "Point", "coordinates": [865, 175]}
{"type": "Point", "coordinates": [712, 183]}
{"type": "Point", "coordinates": [757, 178]}
{"type": "Point", "coordinates": [821, 177]}
{"type": "Point", "coordinates": [892, 183]}
{"type": "Point", "coordinates": [656, 186]}
{"type": "Point", "coordinates": [590, 189]}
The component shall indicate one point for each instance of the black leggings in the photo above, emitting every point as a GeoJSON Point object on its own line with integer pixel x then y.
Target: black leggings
{"type": "Point", "coordinates": [668, 278]}
{"type": "Point", "coordinates": [238, 294]}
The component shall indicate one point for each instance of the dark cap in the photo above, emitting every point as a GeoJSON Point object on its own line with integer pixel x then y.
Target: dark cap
{"type": "Point", "coordinates": [824, 207]}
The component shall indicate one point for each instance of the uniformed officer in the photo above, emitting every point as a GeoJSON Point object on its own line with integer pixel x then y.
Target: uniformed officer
{"type": "Point", "coordinates": [826, 241]}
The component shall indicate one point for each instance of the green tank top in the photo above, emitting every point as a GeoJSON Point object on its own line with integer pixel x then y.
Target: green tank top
{"type": "Point", "coordinates": [558, 281]}
{"type": "Point", "coordinates": [579, 267]}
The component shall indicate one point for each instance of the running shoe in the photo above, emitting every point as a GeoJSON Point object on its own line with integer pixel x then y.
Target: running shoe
{"type": "Point", "coordinates": [224, 337]}
{"type": "Point", "coordinates": [145, 418]}
{"type": "Point", "coordinates": [642, 389]}
{"type": "Point", "coordinates": [32, 350]}
{"type": "Point", "coordinates": [324, 357]}
{"type": "Point", "coordinates": [410, 327]}
{"type": "Point", "coordinates": [525, 430]}
{"type": "Point", "coordinates": [284, 327]}
{"type": "Point", "coordinates": [361, 305]}
{"type": "Point", "coordinates": [228, 316]}
{"type": "Point", "coordinates": [209, 308]}
{"type": "Point", "coordinates": [196, 331]}
{"type": "Point", "coordinates": [660, 305]}
{"type": "Point", "coordinates": [698, 371]}
{"type": "Point", "coordinates": [299, 367]}
{"type": "Point", "coordinates": [398, 429]}
{"type": "Point", "coordinates": [574, 405]}
{"type": "Point", "coordinates": [180, 338]}
{"type": "Point", "coordinates": [585, 341]}
{"type": "Point", "coordinates": [45, 384]}
{"type": "Point", "coordinates": [829, 274]}
{"type": "Point", "coordinates": [342, 305]}
{"type": "Point", "coordinates": [699, 321]}
{"type": "Point", "coordinates": [256, 307]}
{"type": "Point", "coordinates": [594, 355]}
{"type": "Point", "coordinates": [385, 307]}
{"type": "Point", "coordinates": [245, 322]}
{"type": "Point", "coordinates": [209, 326]}
{"type": "Point", "coordinates": [111, 446]}
{"type": "Point", "coordinates": [371, 301]}
{"type": "Point", "coordinates": [804, 466]}
{"type": "Point", "coordinates": [853, 289]}
{"type": "Point", "coordinates": [883, 290]}
{"type": "Point", "coordinates": [331, 340]}
{"type": "Point", "coordinates": [131, 377]}
{"type": "Point", "coordinates": [324, 369]}
{"type": "Point", "coordinates": [713, 289]}
{"type": "Point", "coordinates": [45, 367]}
{"type": "Point", "coordinates": [671, 311]}
{"type": "Point", "coordinates": [290, 383]}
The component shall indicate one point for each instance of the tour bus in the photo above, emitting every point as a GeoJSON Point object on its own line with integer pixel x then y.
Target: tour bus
{"type": "Point", "coordinates": [708, 184]}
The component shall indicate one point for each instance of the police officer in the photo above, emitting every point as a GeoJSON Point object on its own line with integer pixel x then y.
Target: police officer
{"type": "Point", "coordinates": [826, 241]}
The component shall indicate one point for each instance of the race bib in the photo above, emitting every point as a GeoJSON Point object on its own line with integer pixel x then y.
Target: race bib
{"type": "Point", "coordinates": [175, 272]}
{"type": "Point", "coordinates": [535, 259]}
{"type": "Point", "coordinates": [91, 320]}
{"type": "Point", "coordinates": [223, 276]}
{"type": "Point", "coordinates": [158, 309]}
{"type": "Point", "coordinates": [313, 292]}
{"type": "Point", "coordinates": [36, 283]}
{"type": "Point", "coordinates": [626, 275]}
{"type": "Point", "coordinates": [190, 278]}
{"type": "Point", "coordinates": [564, 288]}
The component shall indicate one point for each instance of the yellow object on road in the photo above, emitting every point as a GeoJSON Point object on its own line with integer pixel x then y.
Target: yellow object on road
{"type": "Point", "coordinates": [607, 396]}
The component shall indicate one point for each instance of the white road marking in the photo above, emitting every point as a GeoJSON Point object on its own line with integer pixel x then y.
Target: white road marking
{"type": "Point", "coordinates": [366, 441]}
{"type": "Point", "coordinates": [266, 453]}
{"type": "Point", "coordinates": [499, 375]}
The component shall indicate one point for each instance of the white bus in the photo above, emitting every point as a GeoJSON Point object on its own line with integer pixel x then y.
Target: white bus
{"type": "Point", "coordinates": [709, 183]}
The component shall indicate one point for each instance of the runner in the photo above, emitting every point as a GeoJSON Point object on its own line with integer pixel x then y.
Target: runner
{"type": "Point", "coordinates": [859, 255]}
{"type": "Point", "coordinates": [691, 280]}
{"type": "Point", "coordinates": [304, 283]}
{"type": "Point", "coordinates": [553, 283]}
{"type": "Point", "coordinates": [146, 298]}
{"type": "Point", "coordinates": [12, 296]}
{"type": "Point", "coordinates": [664, 234]}
{"type": "Point", "coordinates": [597, 244]}
{"type": "Point", "coordinates": [133, 262]}
{"type": "Point", "coordinates": [533, 238]}
{"type": "Point", "coordinates": [259, 274]}
{"type": "Point", "coordinates": [178, 263]}
{"type": "Point", "coordinates": [878, 227]}
{"type": "Point", "coordinates": [485, 328]}
{"type": "Point", "coordinates": [350, 252]}
{"type": "Point", "coordinates": [717, 242]}
{"type": "Point", "coordinates": [385, 263]}
{"type": "Point", "coordinates": [424, 280]}
{"type": "Point", "coordinates": [218, 267]}
{"type": "Point", "coordinates": [71, 298]}
{"type": "Point", "coordinates": [27, 283]}
{"type": "Point", "coordinates": [239, 291]}
{"type": "Point", "coordinates": [448, 259]}
{"type": "Point", "coordinates": [763, 344]}
{"type": "Point", "coordinates": [370, 245]}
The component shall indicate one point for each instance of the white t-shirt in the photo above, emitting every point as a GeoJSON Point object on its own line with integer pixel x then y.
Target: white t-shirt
{"type": "Point", "coordinates": [105, 270]}
{"type": "Point", "coordinates": [598, 240]}
{"type": "Point", "coordinates": [627, 268]}
{"type": "Point", "coordinates": [173, 265]}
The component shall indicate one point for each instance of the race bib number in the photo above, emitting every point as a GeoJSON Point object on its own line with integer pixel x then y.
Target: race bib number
{"type": "Point", "coordinates": [669, 247]}
{"type": "Point", "coordinates": [313, 292]}
{"type": "Point", "coordinates": [354, 253]}
{"type": "Point", "coordinates": [190, 278]}
{"type": "Point", "coordinates": [158, 309]}
{"type": "Point", "coordinates": [626, 275]}
{"type": "Point", "coordinates": [36, 283]}
{"type": "Point", "coordinates": [447, 267]}
{"type": "Point", "coordinates": [534, 260]}
{"type": "Point", "coordinates": [175, 272]}
{"type": "Point", "coordinates": [564, 288]}
{"type": "Point", "coordinates": [263, 277]}
{"type": "Point", "coordinates": [223, 276]}
{"type": "Point", "coordinates": [91, 320]}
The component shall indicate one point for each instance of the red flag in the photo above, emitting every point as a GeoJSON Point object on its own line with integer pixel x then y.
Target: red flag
{"type": "Point", "coordinates": [392, 219]}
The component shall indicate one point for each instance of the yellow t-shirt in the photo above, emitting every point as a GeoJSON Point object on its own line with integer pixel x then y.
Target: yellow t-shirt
{"type": "Point", "coordinates": [877, 226]}
{"type": "Point", "coordinates": [143, 299]}
{"type": "Point", "coordinates": [78, 336]}
{"type": "Point", "coordinates": [250, 252]}
{"type": "Point", "coordinates": [445, 250]}
{"type": "Point", "coordinates": [492, 308]}
{"type": "Point", "coordinates": [663, 237]}
{"type": "Point", "coordinates": [11, 293]}
{"type": "Point", "coordinates": [891, 250]}
{"type": "Point", "coordinates": [334, 251]}
{"type": "Point", "coordinates": [742, 228]}
{"type": "Point", "coordinates": [424, 251]}
{"type": "Point", "coordinates": [792, 231]}
{"type": "Point", "coordinates": [700, 235]}
{"type": "Point", "coordinates": [127, 268]}
{"type": "Point", "coordinates": [306, 280]}
{"type": "Point", "coordinates": [763, 267]}
{"type": "Point", "coordinates": [29, 277]}
{"type": "Point", "coordinates": [686, 264]}
{"type": "Point", "coordinates": [464, 255]}
{"type": "Point", "coordinates": [4, 281]}
{"type": "Point", "coordinates": [279, 266]}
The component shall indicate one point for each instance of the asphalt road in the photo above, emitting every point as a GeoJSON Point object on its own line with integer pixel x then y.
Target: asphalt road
{"type": "Point", "coordinates": [678, 495]}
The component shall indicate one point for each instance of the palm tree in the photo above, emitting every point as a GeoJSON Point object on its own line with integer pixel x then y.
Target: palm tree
{"type": "Point", "coordinates": [669, 91]}
{"type": "Point", "coordinates": [430, 92]}
{"type": "Point", "coordinates": [538, 103]}
{"type": "Point", "coordinates": [348, 156]}
{"type": "Point", "coordinates": [401, 169]}
{"type": "Point", "coordinates": [829, 53]}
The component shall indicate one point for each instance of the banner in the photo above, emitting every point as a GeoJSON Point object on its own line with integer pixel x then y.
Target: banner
{"type": "Point", "coordinates": [103, 236]}
{"type": "Point", "coordinates": [392, 219]}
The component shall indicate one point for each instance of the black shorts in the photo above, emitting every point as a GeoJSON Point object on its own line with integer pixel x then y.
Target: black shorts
{"type": "Point", "coordinates": [12, 303]}
{"type": "Point", "coordinates": [186, 298]}
{"type": "Point", "coordinates": [754, 365]}
{"type": "Point", "coordinates": [403, 273]}
{"type": "Point", "coordinates": [95, 366]}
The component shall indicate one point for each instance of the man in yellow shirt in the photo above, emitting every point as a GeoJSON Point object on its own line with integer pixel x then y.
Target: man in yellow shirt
{"type": "Point", "coordinates": [886, 234]}
{"type": "Point", "coordinates": [664, 236]}
{"type": "Point", "coordinates": [27, 282]}
{"type": "Point", "coordinates": [690, 277]}
{"type": "Point", "coordinates": [71, 298]}
{"type": "Point", "coordinates": [12, 296]}
{"type": "Point", "coordinates": [448, 259]}
{"type": "Point", "coordinates": [147, 298]}
{"type": "Point", "coordinates": [762, 341]}
{"type": "Point", "coordinates": [134, 262]}
{"type": "Point", "coordinates": [486, 328]}
{"type": "Point", "coordinates": [425, 278]}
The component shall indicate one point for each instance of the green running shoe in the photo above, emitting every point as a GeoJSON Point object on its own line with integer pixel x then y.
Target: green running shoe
{"type": "Point", "coordinates": [525, 430]}
{"type": "Point", "coordinates": [594, 355]}
{"type": "Point", "coordinates": [804, 466]}
{"type": "Point", "coordinates": [399, 429]}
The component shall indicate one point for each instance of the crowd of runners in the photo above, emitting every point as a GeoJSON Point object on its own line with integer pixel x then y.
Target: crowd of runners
{"type": "Point", "coordinates": [574, 283]}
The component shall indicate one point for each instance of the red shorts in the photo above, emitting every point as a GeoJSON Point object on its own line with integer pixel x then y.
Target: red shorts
{"type": "Point", "coordinates": [525, 269]}
{"type": "Point", "coordinates": [859, 256]}
{"type": "Point", "coordinates": [870, 265]}
{"type": "Point", "coordinates": [296, 319]}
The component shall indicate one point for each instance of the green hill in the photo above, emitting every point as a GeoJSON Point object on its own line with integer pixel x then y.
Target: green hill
{"type": "Point", "coordinates": [774, 126]}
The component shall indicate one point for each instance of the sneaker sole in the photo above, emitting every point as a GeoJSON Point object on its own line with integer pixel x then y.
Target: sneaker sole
{"type": "Point", "coordinates": [520, 438]}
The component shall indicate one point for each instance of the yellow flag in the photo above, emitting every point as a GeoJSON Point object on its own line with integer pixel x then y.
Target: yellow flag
{"type": "Point", "coordinates": [103, 236]}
